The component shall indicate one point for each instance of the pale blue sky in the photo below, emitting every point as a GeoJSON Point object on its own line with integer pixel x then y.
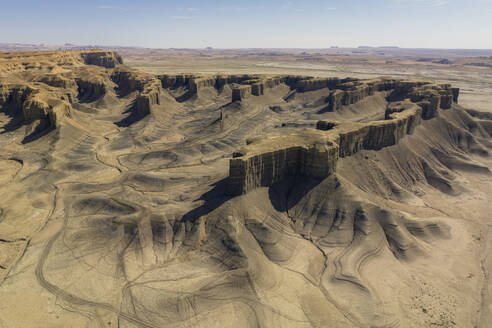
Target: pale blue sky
{"type": "Point", "coordinates": [252, 23]}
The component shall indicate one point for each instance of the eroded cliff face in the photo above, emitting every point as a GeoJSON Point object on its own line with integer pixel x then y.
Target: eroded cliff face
{"type": "Point", "coordinates": [48, 97]}
{"type": "Point", "coordinates": [34, 103]}
{"type": "Point", "coordinates": [269, 160]}
{"type": "Point", "coordinates": [409, 103]}
{"type": "Point", "coordinates": [41, 88]}
{"type": "Point", "coordinates": [350, 230]}
{"type": "Point", "coordinates": [307, 153]}
{"type": "Point", "coordinates": [108, 59]}
{"type": "Point", "coordinates": [242, 85]}
{"type": "Point", "coordinates": [53, 60]}
{"type": "Point", "coordinates": [343, 92]}
{"type": "Point", "coordinates": [147, 88]}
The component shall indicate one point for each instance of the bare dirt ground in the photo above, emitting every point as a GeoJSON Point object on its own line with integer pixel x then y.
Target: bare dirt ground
{"type": "Point", "coordinates": [111, 219]}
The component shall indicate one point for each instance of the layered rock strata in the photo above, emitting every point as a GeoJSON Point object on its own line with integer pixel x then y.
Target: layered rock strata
{"type": "Point", "coordinates": [239, 92]}
{"type": "Point", "coordinates": [148, 88]}
{"type": "Point", "coordinates": [58, 79]}
{"type": "Point", "coordinates": [314, 153]}
{"type": "Point", "coordinates": [308, 153]}
{"type": "Point", "coordinates": [343, 92]}
{"type": "Point", "coordinates": [148, 98]}
{"type": "Point", "coordinates": [90, 88]}
{"type": "Point", "coordinates": [431, 95]}
{"type": "Point", "coordinates": [242, 85]}
{"type": "Point", "coordinates": [311, 84]}
{"type": "Point", "coordinates": [35, 103]}
{"type": "Point", "coordinates": [39, 60]}
{"type": "Point", "coordinates": [108, 59]}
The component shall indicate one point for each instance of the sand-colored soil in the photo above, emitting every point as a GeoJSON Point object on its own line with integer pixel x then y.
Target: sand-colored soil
{"type": "Point", "coordinates": [114, 210]}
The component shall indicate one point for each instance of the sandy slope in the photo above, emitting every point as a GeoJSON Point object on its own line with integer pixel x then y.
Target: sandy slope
{"type": "Point", "coordinates": [117, 219]}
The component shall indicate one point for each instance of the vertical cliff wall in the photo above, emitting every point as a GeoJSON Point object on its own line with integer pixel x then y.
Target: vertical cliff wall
{"type": "Point", "coordinates": [108, 59]}
{"type": "Point", "coordinates": [309, 153]}
{"type": "Point", "coordinates": [148, 88]}
{"type": "Point", "coordinates": [314, 153]}
{"type": "Point", "coordinates": [35, 103]}
{"type": "Point", "coordinates": [53, 81]}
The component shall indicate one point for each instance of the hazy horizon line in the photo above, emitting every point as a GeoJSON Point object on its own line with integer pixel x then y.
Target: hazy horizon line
{"type": "Point", "coordinates": [68, 45]}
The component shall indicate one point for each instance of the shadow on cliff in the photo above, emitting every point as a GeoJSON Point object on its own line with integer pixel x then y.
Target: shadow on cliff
{"type": "Point", "coordinates": [133, 116]}
{"type": "Point", "coordinates": [16, 121]}
{"type": "Point", "coordinates": [283, 195]}
{"type": "Point", "coordinates": [286, 194]}
{"type": "Point", "coordinates": [185, 97]}
{"type": "Point", "coordinates": [40, 131]}
{"type": "Point", "coordinates": [212, 200]}
{"type": "Point", "coordinates": [325, 109]}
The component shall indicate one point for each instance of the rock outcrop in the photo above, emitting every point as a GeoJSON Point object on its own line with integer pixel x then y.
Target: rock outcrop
{"type": "Point", "coordinates": [35, 103]}
{"type": "Point", "coordinates": [303, 84]}
{"type": "Point", "coordinates": [431, 95]}
{"type": "Point", "coordinates": [53, 81]}
{"type": "Point", "coordinates": [242, 85]}
{"type": "Point", "coordinates": [47, 60]}
{"type": "Point", "coordinates": [128, 81]}
{"type": "Point", "coordinates": [174, 81]}
{"type": "Point", "coordinates": [108, 59]}
{"type": "Point", "coordinates": [272, 159]}
{"type": "Point", "coordinates": [57, 81]}
{"type": "Point", "coordinates": [343, 92]}
{"type": "Point", "coordinates": [146, 86]}
{"type": "Point", "coordinates": [149, 97]}
{"type": "Point", "coordinates": [239, 92]}
{"type": "Point", "coordinates": [246, 85]}
{"type": "Point", "coordinates": [314, 153]}
{"type": "Point", "coordinates": [90, 88]}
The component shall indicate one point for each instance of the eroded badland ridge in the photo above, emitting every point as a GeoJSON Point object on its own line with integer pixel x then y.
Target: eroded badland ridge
{"type": "Point", "coordinates": [191, 200]}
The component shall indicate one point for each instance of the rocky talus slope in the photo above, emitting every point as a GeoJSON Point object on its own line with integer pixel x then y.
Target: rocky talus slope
{"type": "Point", "coordinates": [136, 200]}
